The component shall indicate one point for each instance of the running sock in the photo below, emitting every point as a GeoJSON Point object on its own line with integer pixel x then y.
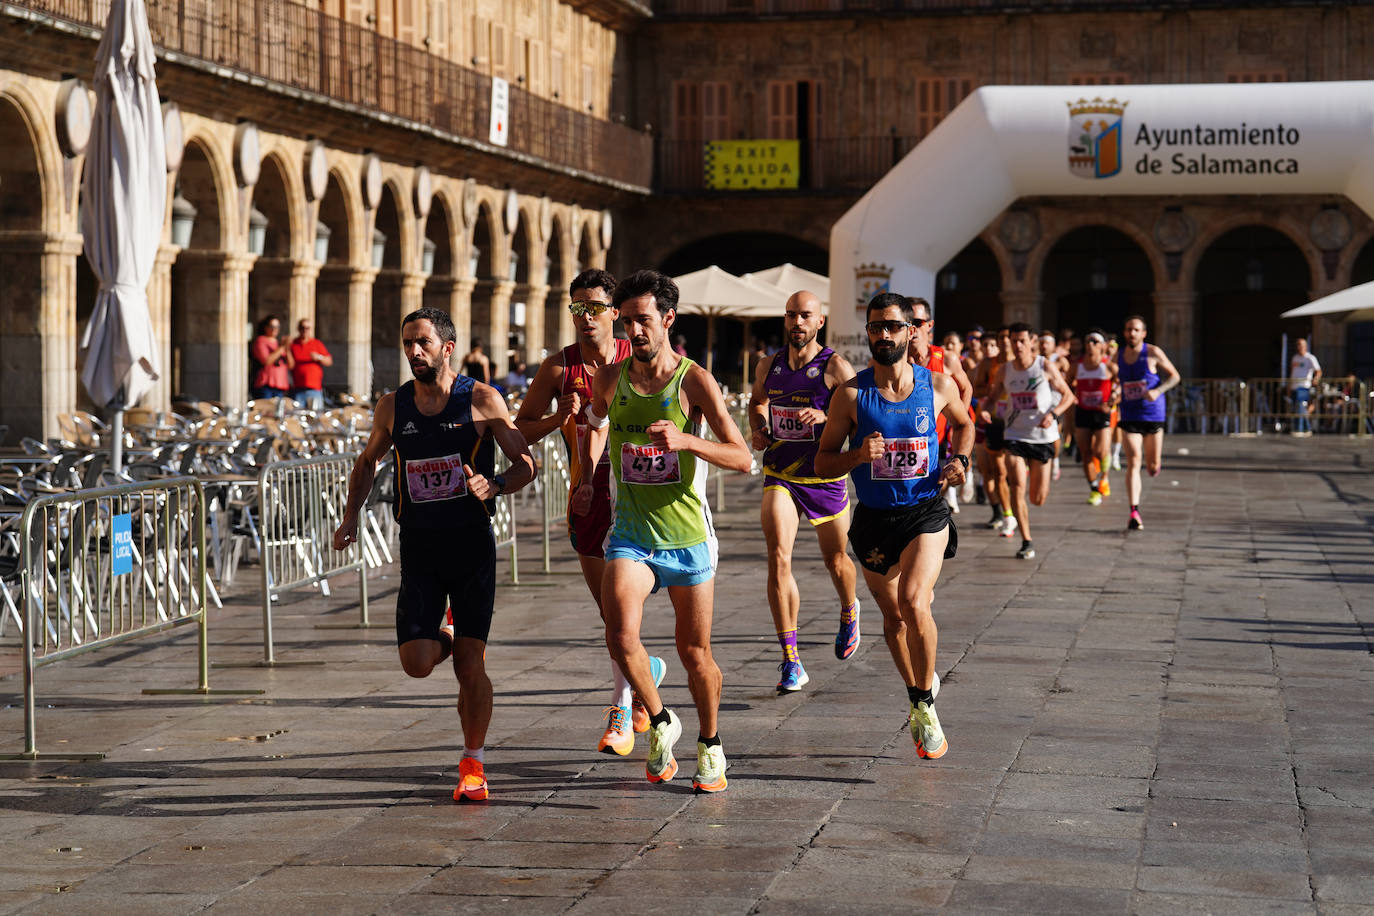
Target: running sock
{"type": "Point", "coordinates": [660, 719]}
{"type": "Point", "coordinates": [713, 741]}
{"type": "Point", "coordinates": [919, 695]}
{"type": "Point", "coordinates": [474, 752]}
{"type": "Point", "coordinates": [847, 614]}
{"type": "Point", "coordinates": [788, 640]}
{"type": "Point", "coordinates": [1006, 513]}
{"type": "Point", "coordinates": [623, 694]}
{"type": "Point", "coordinates": [1135, 508]}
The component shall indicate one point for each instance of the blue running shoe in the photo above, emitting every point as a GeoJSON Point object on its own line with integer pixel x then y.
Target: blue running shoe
{"type": "Point", "coordinates": [794, 677]}
{"type": "Point", "coordinates": [639, 716]}
{"type": "Point", "coordinates": [847, 639]}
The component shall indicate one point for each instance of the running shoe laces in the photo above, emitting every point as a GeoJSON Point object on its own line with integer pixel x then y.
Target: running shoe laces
{"type": "Point", "coordinates": [926, 732]}
{"type": "Point", "coordinates": [847, 639]}
{"type": "Point", "coordinates": [618, 739]}
{"type": "Point", "coordinates": [794, 677]}
{"type": "Point", "coordinates": [661, 765]}
{"type": "Point", "coordinates": [710, 768]}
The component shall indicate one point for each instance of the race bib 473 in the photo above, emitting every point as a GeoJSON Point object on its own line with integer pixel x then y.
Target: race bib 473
{"type": "Point", "coordinates": [648, 465]}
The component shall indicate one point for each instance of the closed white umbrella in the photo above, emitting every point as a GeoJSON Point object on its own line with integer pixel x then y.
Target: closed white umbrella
{"type": "Point", "coordinates": [124, 195]}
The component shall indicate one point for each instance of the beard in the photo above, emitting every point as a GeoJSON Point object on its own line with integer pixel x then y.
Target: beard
{"type": "Point", "coordinates": [424, 373]}
{"type": "Point", "coordinates": [800, 340]}
{"type": "Point", "coordinates": [886, 353]}
{"type": "Point", "coordinates": [643, 357]}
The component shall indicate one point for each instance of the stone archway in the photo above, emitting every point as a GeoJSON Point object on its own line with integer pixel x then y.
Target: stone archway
{"type": "Point", "coordinates": [968, 290]}
{"type": "Point", "coordinates": [1096, 276]}
{"type": "Point", "coordinates": [27, 305]}
{"type": "Point", "coordinates": [1245, 279]}
{"type": "Point", "coordinates": [208, 311]}
{"type": "Point", "coordinates": [490, 294]}
{"type": "Point", "coordinates": [343, 288]}
{"type": "Point", "coordinates": [271, 281]}
{"type": "Point", "coordinates": [388, 305]}
{"type": "Point", "coordinates": [557, 329]}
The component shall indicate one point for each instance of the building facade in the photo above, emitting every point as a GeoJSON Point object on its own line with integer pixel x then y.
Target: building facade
{"type": "Point", "coordinates": [336, 161]}
{"type": "Point", "coordinates": [856, 84]}
{"type": "Point", "coordinates": [339, 160]}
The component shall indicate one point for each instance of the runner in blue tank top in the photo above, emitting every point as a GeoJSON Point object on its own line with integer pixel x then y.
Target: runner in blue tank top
{"type": "Point", "coordinates": [792, 389]}
{"type": "Point", "coordinates": [902, 530]}
{"type": "Point", "coordinates": [1145, 373]}
{"type": "Point", "coordinates": [442, 427]}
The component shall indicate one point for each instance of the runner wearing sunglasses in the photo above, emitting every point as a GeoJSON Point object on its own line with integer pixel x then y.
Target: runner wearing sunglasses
{"type": "Point", "coordinates": [565, 381]}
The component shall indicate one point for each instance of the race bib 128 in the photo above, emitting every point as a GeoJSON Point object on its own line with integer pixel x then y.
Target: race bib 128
{"type": "Point", "coordinates": [903, 459]}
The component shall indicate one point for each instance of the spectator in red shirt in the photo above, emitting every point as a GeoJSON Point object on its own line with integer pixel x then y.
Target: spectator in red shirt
{"type": "Point", "coordinates": [272, 357]}
{"type": "Point", "coordinates": [307, 376]}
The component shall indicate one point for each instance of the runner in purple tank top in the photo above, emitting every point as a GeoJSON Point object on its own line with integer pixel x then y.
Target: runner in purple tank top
{"type": "Point", "coordinates": [787, 414]}
{"type": "Point", "coordinates": [1145, 374]}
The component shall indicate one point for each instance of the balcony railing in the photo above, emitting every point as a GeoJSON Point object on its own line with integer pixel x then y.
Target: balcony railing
{"type": "Point", "coordinates": [750, 8]}
{"type": "Point", "coordinates": [292, 45]}
{"type": "Point", "coordinates": [848, 164]}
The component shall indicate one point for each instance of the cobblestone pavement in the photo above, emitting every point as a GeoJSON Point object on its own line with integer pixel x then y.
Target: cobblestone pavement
{"type": "Point", "coordinates": [1178, 720]}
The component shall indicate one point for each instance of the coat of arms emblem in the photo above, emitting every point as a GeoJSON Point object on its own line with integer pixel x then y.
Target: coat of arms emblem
{"type": "Point", "coordinates": [1095, 137]}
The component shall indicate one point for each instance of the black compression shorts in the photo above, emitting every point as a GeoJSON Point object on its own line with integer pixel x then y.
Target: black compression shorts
{"type": "Point", "coordinates": [442, 569]}
{"type": "Point", "coordinates": [1091, 419]}
{"type": "Point", "coordinates": [1042, 452]}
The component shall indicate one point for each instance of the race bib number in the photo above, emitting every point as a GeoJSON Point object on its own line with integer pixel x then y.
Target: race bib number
{"type": "Point", "coordinates": [1134, 391]}
{"type": "Point", "coordinates": [999, 410]}
{"type": "Point", "coordinates": [788, 425]}
{"type": "Point", "coordinates": [434, 479]}
{"type": "Point", "coordinates": [1023, 400]}
{"type": "Point", "coordinates": [648, 465]}
{"type": "Point", "coordinates": [1091, 400]}
{"type": "Point", "coordinates": [903, 459]}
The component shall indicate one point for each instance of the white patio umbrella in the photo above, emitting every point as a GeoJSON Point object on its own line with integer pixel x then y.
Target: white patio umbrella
{"type": "Point", "coordinates": [790, 278]}
{"type": "Point", "coordinates": [1358, 301]}
{"type": "Point", "coordinates": [717, 293]}
{"type": "Point", "coordinates": [124, 195]}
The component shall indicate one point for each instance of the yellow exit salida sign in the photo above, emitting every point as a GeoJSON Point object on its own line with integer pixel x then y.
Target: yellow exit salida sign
{"type": "Point", "coordinates": [752, 165]}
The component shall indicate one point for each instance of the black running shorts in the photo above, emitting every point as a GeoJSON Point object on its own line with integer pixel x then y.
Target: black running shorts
{"type": "Point", "coordinates": [1042, 452]}
{"type": "Point", "coordinates": [1091, 419]}
{"type": "Point", "coordinates": [880, 535]}
{"type": "Point", "coordinates": [1143, 427]}
{"type": "Point", "coordinates": [996, 440]}
{"type": "Point", "coordinates": [442, 569]}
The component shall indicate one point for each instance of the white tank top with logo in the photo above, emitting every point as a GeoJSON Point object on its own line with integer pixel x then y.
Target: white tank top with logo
{"type": "Point", "coordinates": [1031, 398]}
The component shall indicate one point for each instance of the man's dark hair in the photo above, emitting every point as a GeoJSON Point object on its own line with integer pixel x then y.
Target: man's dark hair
{"type": "Point", "coordinates": [643, 283]}
{"type": "Point", "coordinates": [1016, 327]}
{"type": "Point", "coordinates": [1004, 327]}
{"type": "Point", "coordinates": [917, 300]}
{"type": "Point", "coordinates": [443, 324]}
{"type": "Point", "coordinates": [884, 301]}
{"type": "Point", "coordinates": [1046, 332]}
{"type": "Point", "coordinates": [1140, 318]}
{"type": "Point", "coordinates": [593, 278]}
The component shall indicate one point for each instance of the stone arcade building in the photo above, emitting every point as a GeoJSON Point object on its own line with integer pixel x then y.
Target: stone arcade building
{"type": "Point", "coordinates": [335, 161]}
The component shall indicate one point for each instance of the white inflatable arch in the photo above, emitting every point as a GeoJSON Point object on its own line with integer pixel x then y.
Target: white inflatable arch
{"type": "Point", "coordinates": [1006, 142]}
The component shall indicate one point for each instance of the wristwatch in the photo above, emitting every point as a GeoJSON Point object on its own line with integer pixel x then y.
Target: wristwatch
{"type": "Point", "coordinates": [500, 481]}
{"type": "Point", "coordinates": [963, 458]}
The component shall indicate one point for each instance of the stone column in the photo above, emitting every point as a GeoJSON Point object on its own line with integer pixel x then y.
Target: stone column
{"type": "Point", "coordinates": [1174, 330]}
{"type": "Point", "coordinates": [498, 327]}
{"type": "Point", "coordinates": [234, 331]}
{"type": "Point", "coordinates": [160, 312]}
{"type": "Point", "coordinates": [304, 274]}
{"type": "Point", "coordinates": [57, 326]}
{"type": "Point", "coordinates": [564, 332]}
{"type": "Point", "coordinates": [360, 283]}
{"type": "Point", "coordinates": [536, 301]}
{"type": "Point", "coordinates": [460, 310]}
{"type": "Point", "coordinates": [1022, 305]}
{"type": "Point", "coordinates": [210, 347]}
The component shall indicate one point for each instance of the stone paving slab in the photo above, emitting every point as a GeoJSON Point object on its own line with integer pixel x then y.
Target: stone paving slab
{"type": "Point", "coordinates": [1172, 721]}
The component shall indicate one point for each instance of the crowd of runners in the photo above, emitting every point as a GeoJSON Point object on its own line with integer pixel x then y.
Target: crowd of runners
{"type": "Point", "coordinates": [918, 429]}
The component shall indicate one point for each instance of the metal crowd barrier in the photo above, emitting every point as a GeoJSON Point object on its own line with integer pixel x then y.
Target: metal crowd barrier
{"type": "Point", "coordinates": [503, 521]}
{"type": "Point", "coordinates": [717, 475]}
{"type": "Point", "coordinates": [555, 479]}
{"type": "Point", "coordinates": [300, 503]}
{"type": "Point", "coordinates": [1255, 406]}
{"type": "Point", "coordinates": [106, 565]}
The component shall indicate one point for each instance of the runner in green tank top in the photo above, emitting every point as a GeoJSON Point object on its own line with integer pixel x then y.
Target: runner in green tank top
{"type": "Point", "coordinates": [648, 406]}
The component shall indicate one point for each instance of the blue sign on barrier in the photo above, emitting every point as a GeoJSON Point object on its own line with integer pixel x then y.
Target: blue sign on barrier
{"type": "Point", "coordinates": [123, 562]}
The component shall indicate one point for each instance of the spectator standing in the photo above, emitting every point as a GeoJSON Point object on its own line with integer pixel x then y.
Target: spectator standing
{"type": "Point", "coordinates": [307, 375]}
{"type": "Point", "coordinates": [1303, 372]}
{"type": "Point", "coordinates": [271, 355]}
{"type": "Point", "coordinates": [476, 365]}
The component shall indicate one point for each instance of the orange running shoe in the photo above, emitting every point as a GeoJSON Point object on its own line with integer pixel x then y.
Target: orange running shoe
{"type": "Point", "coordinates": [472, 782]}
{"type": "Point", "coordinates": [618, 739]}
{"type": "Point", "coordinates": [1104, 488]}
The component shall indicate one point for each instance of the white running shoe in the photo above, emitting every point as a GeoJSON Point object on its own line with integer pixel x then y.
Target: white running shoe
{"type": "Point", "coordinates": [1009, 525]}
{"type": "Point", "coordinates": [952, 500]}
